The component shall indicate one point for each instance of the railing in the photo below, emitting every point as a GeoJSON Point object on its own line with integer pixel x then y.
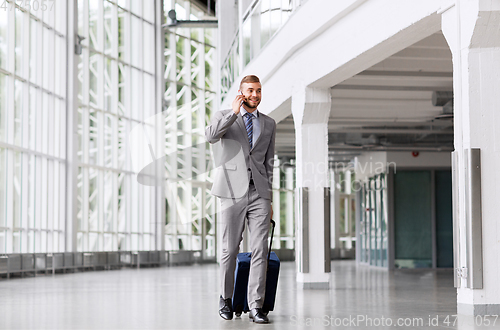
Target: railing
{"type": "Point", "coordinates": [21, 263]}
{"type": "Point", "coordinates": [261, 21]}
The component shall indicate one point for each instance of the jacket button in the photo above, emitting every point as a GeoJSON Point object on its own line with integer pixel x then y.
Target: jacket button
{"type": "Point", "coordinates": [249, 169]}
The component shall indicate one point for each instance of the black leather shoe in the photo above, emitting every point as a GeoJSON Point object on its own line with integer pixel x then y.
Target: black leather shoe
{"type": "Point", "coordinates": [258, 316]}
{"type": "Point", "coordinates": [225, 308]}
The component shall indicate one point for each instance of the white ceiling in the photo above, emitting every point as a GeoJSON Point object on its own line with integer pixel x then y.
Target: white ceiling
{"type": "Point", "coordinates": [388, 106]}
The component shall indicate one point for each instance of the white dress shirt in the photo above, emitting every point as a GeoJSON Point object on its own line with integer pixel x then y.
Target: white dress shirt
{"type": "Point", "coordinates": [255, 122]}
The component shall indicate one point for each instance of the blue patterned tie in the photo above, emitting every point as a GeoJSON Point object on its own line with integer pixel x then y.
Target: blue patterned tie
{"type": "Point", "coordinates": [249, 127]}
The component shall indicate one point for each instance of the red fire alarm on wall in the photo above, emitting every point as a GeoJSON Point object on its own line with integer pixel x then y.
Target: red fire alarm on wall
{"type": "Point", "coordinates": [415, 153]}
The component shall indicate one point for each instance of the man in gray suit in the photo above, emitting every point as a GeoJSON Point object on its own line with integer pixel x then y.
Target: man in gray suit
{"type": "Point", "coordinates": [243, 182]}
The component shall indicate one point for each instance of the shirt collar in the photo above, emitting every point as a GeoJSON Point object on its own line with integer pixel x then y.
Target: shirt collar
{"type": "Point", "coordinates": [244, 111]}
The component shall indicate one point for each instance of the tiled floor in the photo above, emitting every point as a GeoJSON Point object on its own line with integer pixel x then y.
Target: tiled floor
{"type": "Point", "coordinates": [187, 298]}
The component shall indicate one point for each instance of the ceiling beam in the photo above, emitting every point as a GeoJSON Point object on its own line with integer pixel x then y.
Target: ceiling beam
{"type": "Point", "coordinates": [373, 122]}
{"type": "Point", "coordinates": [378, 131]}
{"type": "Point", "coordinates": [406, 73]}
{"type": "Point", "coordinates": [394, 88]}
{"type": "Point", "coordinates": [391, 148]}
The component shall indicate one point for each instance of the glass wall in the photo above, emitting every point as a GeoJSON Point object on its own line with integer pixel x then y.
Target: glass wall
{"type": "Point", "coordinates": [32, 126]}
{"type": "Point", "coordinates": [283, 204]}
{"type": "Point", "coordinates": [230, 70]}
{"type": "Point", "coordinates": [422, 211]}
{"type": "Point", "coordinates": [423, 221]}
{"type": "Point", "coordinates": [189, 101]}
{"type": "Point", "coordinates": [347, 208]}
{"type": "Point", "coordinates": [116, 79]}
{"type": "Point", "coordinates": [258, 25]}
{"type": "Point", "coordinates": [116, 75]}
{"type": "Point", "coordinates": [413, 219]}
{"type": "Point", "coordinates": [444, 218]}
{"type": "Point", "coordinates": [373, 230]}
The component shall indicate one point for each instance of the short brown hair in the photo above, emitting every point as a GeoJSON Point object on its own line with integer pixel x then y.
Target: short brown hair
{"type": "Point", "coordinates": [249, 79]}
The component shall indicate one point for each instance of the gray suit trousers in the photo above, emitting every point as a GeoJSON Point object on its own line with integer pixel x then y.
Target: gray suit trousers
{"type": "Point", "coordinates": [257, 212]}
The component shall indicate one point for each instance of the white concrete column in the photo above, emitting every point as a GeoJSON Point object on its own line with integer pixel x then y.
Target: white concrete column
{"type": "Point", "coordinates": [335, 213]}
{"type": "Point", "coordinates": [471, 29]}
{"type": "Point", "coordinates": [347, 208]}
{"type": "Point", "coordinates": [160, 207]}
{"type": "Point", "coordinates": [277, 204]}
{"type": "Point", "coordinates": [289, 174]}
{"type": "Point", "coordinates": [310, 109]}
{"type": "Point", "coordinates": [71, 133]}
{"type": "Point", "coordinates": [227, 26]}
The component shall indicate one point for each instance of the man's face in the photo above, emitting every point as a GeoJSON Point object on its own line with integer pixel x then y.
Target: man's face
{"type": "Point", "coordinates": [252, 92]}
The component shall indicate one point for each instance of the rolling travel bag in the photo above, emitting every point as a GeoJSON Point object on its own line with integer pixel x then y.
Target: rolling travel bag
{"type": "Point", "coordinates": [240, 303]}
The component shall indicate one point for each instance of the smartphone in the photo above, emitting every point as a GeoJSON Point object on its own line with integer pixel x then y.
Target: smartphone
{"type": "Point", "coordinates": [243, 100]}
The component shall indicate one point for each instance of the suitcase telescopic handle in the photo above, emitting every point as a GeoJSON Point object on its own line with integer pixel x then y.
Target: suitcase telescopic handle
{"type": "Point", "coordinates": [271, 243]}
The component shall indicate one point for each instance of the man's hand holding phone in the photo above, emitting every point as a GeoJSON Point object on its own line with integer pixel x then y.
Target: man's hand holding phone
{"type": "Point", "coordinates": [238, 101]}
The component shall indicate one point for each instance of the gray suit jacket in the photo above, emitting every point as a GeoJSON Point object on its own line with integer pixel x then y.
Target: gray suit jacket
{"type": "Point", "coordinates": [234, 160]}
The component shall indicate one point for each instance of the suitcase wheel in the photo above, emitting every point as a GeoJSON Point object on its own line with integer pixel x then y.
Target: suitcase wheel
{"type": "Point", "coordinates": [237, 314]}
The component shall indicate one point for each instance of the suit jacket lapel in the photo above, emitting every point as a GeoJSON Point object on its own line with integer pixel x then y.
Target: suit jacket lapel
{"type": "Point", "coordinates": [243, 129]}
